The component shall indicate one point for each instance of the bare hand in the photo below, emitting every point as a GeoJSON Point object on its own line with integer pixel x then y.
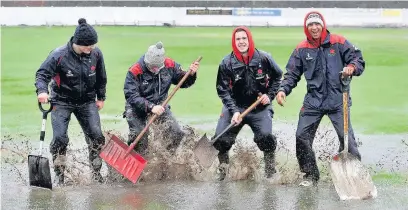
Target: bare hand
{"type": "Point", "coordinates": [265, 99]}
{"type": "Point", "coordinates": [158, 109]}
{"type": "Point", "coordinates": [194, 67]}
{"type": "Point", "coordinates": [281, 97]}
{"type": "Point", "coordinates": [100, 104]}
{"type": "Point", "coordinates": [236, 119]}
{"type": "Point", "coordinates": [348, 71]}
{"type": "Point", "coordinates": [43, 97]}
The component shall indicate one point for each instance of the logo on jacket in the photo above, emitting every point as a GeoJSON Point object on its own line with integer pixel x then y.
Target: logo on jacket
{"type": "Point", "coordinates": [69, 74]}
{"type": "Point", "coordinates": [259, 74]}
{"type": "Point", "coordinates": [92, 71]}
{"type": "Point", "coordinates": [308, 57]}
{"type": "Point", "coordinates": [145, 82]}
{"type": "Point", "coordinates": [332, 52]}
{"type": "Point", "coordinates": [237, 77]}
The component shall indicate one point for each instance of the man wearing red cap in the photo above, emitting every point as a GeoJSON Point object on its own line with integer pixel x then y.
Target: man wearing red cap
{"type": "Point", "coordinates": [321, 58]}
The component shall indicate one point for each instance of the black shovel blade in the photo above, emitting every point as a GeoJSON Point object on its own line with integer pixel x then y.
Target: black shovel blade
{"type": "Point", "coordinates": [39, 171]}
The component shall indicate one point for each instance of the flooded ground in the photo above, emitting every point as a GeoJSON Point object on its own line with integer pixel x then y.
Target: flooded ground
{"type": "Point", "coordinates": [197, 195]}
{"type": "Point", "coordinates": [179, 182]}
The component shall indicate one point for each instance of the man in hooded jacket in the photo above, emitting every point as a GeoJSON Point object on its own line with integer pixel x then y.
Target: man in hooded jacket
{"type": "Point", "coordinates": [321, 58]}
{"type": "Point", "coordinates": [242, 75]}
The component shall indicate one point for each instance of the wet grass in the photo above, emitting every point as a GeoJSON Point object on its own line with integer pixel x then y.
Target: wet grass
{"type": "Point", "coordinates": [391, 178]}
{"type": "Point", "coordinates": [380, 104]}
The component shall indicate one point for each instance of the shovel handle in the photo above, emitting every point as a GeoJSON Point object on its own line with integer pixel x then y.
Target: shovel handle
{"type": "Point", "coordinates": [345, 120]}
{"type": "Point", "coordinates": [45, 111]}
{"type": "Point", "coordinates": [43, 123]}
{"type": "Point", "coordinates": [179, 84]}
{"type": "Point", "coordinates": [242, 115]}
{"type": "Point", "coordinates": [163, 104]}
{"type": "Point", "coordinates": [345, 82]}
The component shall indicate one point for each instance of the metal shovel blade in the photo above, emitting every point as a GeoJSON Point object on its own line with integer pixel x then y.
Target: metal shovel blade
{"type": "Point", "coordinates": [350, 178]}
{"type": "Point", "coordinates": [129, 165]}
{"type": "Point", "coordinates": [39, 171]}
{"type": "Point", "coordinates": [205, 152]}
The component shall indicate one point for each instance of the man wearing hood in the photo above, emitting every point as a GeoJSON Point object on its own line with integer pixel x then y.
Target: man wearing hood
{"type": "Point", "coordinates": [242, 75]}
{"type": "Point", "coordinates": [78, 75]}
{"type": "Point", "coordinates": [146, 87]}
{"type": "Point", "coordinates": [321, 58]}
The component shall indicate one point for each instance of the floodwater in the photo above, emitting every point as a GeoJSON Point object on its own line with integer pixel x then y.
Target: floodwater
{"type": "Point", "coordinates": [179, 182]}
{"type": "Point", "coordinates": [197, 195]}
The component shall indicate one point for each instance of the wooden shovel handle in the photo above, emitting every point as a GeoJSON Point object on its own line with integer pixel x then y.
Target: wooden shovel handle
{"type": "Point", "coordinates": [345, 121]}
{"type": "Point", "coordinates": [345, 81]}
{"type": "Point", "coordinates": [249, 109]}
{"type": "Point", "coordinates": [179, 84]}
{"type": "Point", "coordinates": [163, 104]}
{"type": "Point", "coordinates": [243, 114]}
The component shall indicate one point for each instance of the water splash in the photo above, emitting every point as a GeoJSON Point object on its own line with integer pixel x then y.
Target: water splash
{"type": "Point", "coordinates": [246, 160]}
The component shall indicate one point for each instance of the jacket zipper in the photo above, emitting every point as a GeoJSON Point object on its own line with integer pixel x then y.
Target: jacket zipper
{"type": "Point", "coordinates": [324, 66]}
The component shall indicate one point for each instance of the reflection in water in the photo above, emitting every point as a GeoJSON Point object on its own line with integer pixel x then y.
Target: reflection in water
{"type": "Point", "coordinates": [306, 198]}
{"type": "Point", "coordinates": [270, 200]}
{"type": "Point", "coordinates": [134, 200]}
{"type": "Point", "coordinates": [39, 198]}
{"type": "Point", "coordinates": [246, 195]}
{"type": "Point", "coordinates": [223, 197]}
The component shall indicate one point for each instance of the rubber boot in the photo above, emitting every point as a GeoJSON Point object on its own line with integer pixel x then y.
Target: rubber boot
{"type": "Point", "coordinates": [96, 164]}
{"type": "Point", "coordinates": [59, 168]}
{"type": "Point", "coordinates": [223, 167]}
{"type": "Point", "coordinates": [269, 158]}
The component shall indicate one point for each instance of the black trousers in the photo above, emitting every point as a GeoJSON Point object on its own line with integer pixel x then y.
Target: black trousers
{"type": "Point", "coordinates": [88, 117]}
{"type": "Point", "coordinates": [309, 120]}
{"type": "Point", "coordinates": [137, 122]}
{"type": "Point", "coordinates": [260, 121]}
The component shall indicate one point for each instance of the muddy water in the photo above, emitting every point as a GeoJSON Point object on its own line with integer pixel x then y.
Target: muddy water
{"type": "Point", "coordinates": [196, 195]}
{"type": "Point", "coordinates": [179, 182]}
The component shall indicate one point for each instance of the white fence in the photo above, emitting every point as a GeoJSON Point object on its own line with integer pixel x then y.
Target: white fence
{"type": "Point", "coordinates": [147, 16]}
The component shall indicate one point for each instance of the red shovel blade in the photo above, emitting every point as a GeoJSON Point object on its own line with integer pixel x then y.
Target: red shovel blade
{"type": "Point", "coordinates": [129, 165]}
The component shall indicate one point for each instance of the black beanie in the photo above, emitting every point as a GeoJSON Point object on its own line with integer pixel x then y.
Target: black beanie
{"type": "Point", "coordinates": [85, 34]}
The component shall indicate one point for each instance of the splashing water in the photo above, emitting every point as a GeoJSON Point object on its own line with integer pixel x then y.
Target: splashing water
{"type": "Point", "coordinates": [246, 160]}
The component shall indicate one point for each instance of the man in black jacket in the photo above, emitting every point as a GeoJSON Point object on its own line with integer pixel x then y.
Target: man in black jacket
{"type": "Point", "coordinates": [78, 76]}
{"type": "Point", "coordinates": [242, 75]}
{"type": "Point", "coordinates": [147, 84]}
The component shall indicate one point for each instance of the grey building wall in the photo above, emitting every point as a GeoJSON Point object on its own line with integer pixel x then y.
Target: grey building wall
{"type": "Point", "coordinates": [248, 4]}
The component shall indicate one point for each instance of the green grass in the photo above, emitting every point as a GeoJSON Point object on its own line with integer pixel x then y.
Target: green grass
{"type": "Point", "coordinates": [391, 178]}
{"type": "Point", "coordinates": [380, 100]}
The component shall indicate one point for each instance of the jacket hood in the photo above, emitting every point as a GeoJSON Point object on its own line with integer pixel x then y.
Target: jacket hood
{"type": "Point", "coordinates": [309, 36]}
{"type": "Point", "coordinates": [251, 47]}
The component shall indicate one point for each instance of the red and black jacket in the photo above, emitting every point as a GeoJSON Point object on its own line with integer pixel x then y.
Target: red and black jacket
{"type": "Point", "coordinates": [75, 78]}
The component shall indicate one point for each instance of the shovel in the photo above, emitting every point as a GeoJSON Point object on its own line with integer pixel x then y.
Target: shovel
{"type": "Point", "coordinates": [122, 157]}
{"type": "Point", "coordinates": [38, 166]}
{"type": "Point", "coordinates": [350, 178]}
{"type": "Point", "coordinates": [205, 151]}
